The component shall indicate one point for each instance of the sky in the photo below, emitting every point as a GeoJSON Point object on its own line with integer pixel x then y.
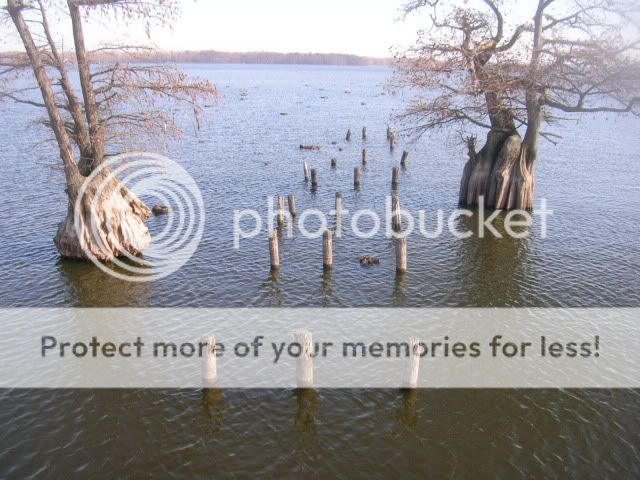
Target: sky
{"type": "Point", "coordinates": [361, 27]}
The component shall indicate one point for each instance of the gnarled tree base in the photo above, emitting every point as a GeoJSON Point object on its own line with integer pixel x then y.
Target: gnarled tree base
{"type": "Point", "coordinates": [502, 172]}
{"type": "Point", "coordinates": [109, 224]}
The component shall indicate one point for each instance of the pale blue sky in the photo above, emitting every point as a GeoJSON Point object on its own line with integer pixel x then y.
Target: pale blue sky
{"type": "Point", "coordinates": [362, 27]}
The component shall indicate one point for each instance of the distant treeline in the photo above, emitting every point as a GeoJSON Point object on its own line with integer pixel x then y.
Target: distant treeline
{"type": "Point", "coordinates": [213, 56]}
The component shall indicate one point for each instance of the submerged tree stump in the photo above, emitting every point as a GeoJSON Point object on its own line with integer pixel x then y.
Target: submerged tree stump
{"type": "Point", "coordinates": [401, 254]}
{"type": "Point", "coordinates": [395, 177]}
{"type": "Point", "coordinates": [327, 249]}
{"type": "Point", "coordinates": [403, 160]}
{"type": "Point", "coordinates": [357, 177]}
{"type": "Point", "coordinates": [274, 251]}
{"type": "Point", "coordinates": [304, 363]}
{"type": "Point", "coordinates": [209, 367]}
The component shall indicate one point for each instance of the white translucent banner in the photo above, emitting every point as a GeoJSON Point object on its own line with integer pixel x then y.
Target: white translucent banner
{"type": "Point", "coordinates": [347, 348]}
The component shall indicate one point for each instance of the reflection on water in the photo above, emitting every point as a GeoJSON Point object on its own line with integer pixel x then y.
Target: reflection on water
{"type": "Point", "coordinates": [306, 409]}
{"type": "Point", "coordinates": [495, 271]}
{"type": "Point", "coordinates": [88, 286]}
{"type": "Point", "coordinates": [407, 414]}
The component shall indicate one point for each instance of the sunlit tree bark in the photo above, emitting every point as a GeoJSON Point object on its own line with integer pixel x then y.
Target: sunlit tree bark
{"type": "Point", "coordinates": [85, 130]}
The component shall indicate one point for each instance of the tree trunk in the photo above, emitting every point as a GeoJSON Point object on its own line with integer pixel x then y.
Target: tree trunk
{"type": "Point", "coordinates": [503, 172]}
{"type": "Point", "coordinates": [110, 222]}
{"type": "Point", "coordinates": [106, 222]}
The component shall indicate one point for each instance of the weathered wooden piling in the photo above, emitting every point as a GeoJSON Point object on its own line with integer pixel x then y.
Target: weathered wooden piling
{"type": "Point", "coordinates": [339, 203]}
{"type": "Point", "coordinates": [349, 135]}
{"type": "Point", "coordinates": [401, 254]}
{"type": "Point", "coordinates": [339, 211]}
{"type": "Point", "coordinates": [304, 362]}
{"type": "Point", "coordinates": [395, 177]}
{"type": "Point", "coordinates": [281, 211]}
{"type": "Point", "coordinates": [364, 133]}
{"type": "Point", "coordinates": [357, 177]}
{"type": "Point", "coordinates": [314, 178]}
{"type": "Point", "coordinates": [334, 162]}
{"type": "Point", "coordinates": [292, 205]}
{"type": "Point", "coordinates": [403, 160]}
{"type": "Point", "coordinates": [388, 132]}
{"type": "Point", "coordinates": [392, 142]}
{"type": "Point", "coordinates": [412, 366]}
{"type": "Point", "coordinates": [364, 156]}
{"type": "Point", "coordinates": [274, 250]}
{"type": "Point", "coordinates": [327, 249]}
{"type": "Point", "coordinates": [209, 367]}
{"type": "Point", "coordinates": [305, 166]}
{"type": "Point", "coordinates": [396, 218]}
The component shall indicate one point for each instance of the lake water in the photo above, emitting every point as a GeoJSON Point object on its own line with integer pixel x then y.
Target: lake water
{"type": "Point", "coordinates": [247, 151]}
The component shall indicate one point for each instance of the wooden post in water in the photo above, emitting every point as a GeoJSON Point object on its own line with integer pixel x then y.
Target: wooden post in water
{"type": "Point", "coordinates": [305, 165]}
{"type": "Point", "coordinates": [292, 205]}
{"type": "Point", "coordinates": [357, 177]}
{"type": "Point", "coordinates": [349, 135]}
{"type": "Point", "coordinates": [304, 363]}
{"type": "Point", "coordinates": [396, 218]}
{"type": "Point", "coordinates": [364, 133]}
{"type": "Point", "coordinates": [327, 249]}
{"type": "Point", "coordinates": [403, 161]}
{"type": "Point", "coordinates": [281, 214]}
{"type": "Point", "coordinates": [395, 177]}
{"type": "Point", "coordinates": [274, 250]}
{"type": "Point", "coordinates": [392, 141]}
{"type": "Point", "coordinates": [364, 156]}
{"type": "Point", "coordinates": [388, 132]}
{"type": "Point", "coordinates": [412, 367]}
{"type": "Point", "coordinates": [339, 203]}
{"type": "Point", "coordinates": [209, 367]}
{"type": "Point", "coordinates": [401, 254]}
{"type": "Point", "coordinates": [339, 208]}
{"type": "Point", "coordinates": [314, 178]}
{"type": "Point", "coordinates": [334, 163]}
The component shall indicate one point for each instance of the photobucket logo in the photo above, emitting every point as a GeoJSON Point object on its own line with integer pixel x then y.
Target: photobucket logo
{"type": "Point", "coordinates": [111, 188]}
{"type": "Point", "coordinates": [398, 222]}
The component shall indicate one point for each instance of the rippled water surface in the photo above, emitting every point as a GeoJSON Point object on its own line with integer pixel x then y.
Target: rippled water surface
{"type": "Point", "coordinates": [247, 151]}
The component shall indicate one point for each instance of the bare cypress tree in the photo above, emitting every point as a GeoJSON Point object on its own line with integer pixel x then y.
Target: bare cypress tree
{"type": "Point", "coordinates": [118, 104]}
{"type": "Point", "coordinates": [473, 67]}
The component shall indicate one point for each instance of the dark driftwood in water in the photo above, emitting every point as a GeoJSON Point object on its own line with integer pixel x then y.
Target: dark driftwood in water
{"type": "Point", "coordinates": [368, 260]}
{"type": "Point", "coordinates": [309, 147]}
{"type": "Point", "coordinates": [160, 210]}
